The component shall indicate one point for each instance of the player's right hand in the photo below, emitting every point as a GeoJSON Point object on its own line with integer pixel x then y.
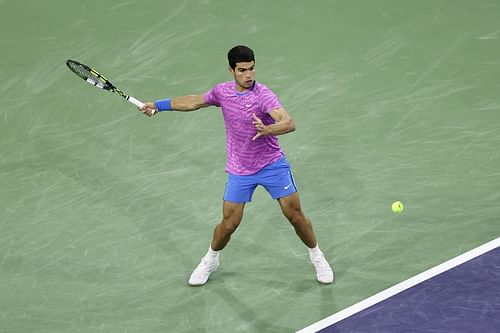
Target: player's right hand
{"type": "Point", "coordinates": [149, 109]}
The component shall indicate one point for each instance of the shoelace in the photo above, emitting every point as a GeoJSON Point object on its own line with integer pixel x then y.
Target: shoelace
{"type": "Point", "coordinates": [208, 264]}
{"type": "Point", "coordinates": [320, 262]}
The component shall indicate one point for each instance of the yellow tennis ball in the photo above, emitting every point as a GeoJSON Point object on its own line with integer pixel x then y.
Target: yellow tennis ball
{"type": "Point", "coordinates": [397, 207]}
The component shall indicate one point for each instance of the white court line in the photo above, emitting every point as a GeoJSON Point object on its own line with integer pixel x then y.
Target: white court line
{"type": "Point", "coordinates": [353, 309]}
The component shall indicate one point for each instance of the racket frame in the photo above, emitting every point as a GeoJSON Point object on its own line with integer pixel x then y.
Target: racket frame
{"type": "Point", "coordinates": [107, 85]}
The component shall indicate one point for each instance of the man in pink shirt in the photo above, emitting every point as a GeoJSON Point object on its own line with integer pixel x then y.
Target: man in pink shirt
{"type": "Point", "coordinates": [253, 117]}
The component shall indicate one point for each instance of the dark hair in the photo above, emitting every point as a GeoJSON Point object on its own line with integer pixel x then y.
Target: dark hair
{"type": "Point", "coordinates": [239, 53]}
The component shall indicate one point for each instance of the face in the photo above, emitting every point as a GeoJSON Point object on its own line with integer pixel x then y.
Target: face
{"type": "Point", "coordinates": [244, 75]}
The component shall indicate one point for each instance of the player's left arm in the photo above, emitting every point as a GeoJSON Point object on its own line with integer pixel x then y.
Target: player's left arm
{"type": "Point", "coordinates": [283, 124]}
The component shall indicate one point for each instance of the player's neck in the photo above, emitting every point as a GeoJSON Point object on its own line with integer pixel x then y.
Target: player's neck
{"type": "Point", "coordinates": [240, 90]}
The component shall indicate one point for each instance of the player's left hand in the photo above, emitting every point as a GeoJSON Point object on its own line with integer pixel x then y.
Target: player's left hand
{"type": "Point", "coordinates": [262, 130]}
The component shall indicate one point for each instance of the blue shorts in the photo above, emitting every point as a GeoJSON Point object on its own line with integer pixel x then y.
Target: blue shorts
{"type": "Point", "coordinates": [276, 178]}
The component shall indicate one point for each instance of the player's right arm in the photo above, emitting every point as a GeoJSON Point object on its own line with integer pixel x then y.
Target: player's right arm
{"type": "Point", "coordinates": [181, 103]}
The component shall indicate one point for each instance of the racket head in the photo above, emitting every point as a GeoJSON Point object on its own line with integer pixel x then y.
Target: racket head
{"type": "Point", "coordinates": [91, 76]}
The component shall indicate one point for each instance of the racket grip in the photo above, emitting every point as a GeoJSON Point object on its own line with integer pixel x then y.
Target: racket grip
{"type": "Point", "coordinates": [136, 102]}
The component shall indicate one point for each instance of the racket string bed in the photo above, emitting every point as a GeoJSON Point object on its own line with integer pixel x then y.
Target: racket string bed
{"type": "Point", "coordinates": [96, 79]}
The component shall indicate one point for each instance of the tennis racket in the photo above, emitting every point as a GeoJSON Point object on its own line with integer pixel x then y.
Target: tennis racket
{"type": "Point", "coordinates": [97, 80]}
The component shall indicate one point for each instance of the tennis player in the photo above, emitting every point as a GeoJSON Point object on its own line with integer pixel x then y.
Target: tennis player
{"type": "Point", "coordinates": [253, 117]}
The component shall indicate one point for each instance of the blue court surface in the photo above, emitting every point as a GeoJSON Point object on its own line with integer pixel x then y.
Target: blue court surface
{"type": "Point", "coordinates": [461, 295]}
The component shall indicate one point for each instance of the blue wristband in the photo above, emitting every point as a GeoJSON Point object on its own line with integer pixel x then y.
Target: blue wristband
{"type": "Point", "coordinates": [163, 105]}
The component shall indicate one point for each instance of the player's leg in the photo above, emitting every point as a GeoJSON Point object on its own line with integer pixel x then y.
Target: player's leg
{"type": "Point", "coordinates": [232, 213]}
{"type": "Point", "coordinates": [291, 208]}
{"type": "Point", "coordinates": [239, 190]}
{"type": "Point", "coordinates": [278, 180]}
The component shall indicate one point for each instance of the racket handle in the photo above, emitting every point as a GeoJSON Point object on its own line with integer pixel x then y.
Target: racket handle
{"type": "Point", "coordinates": [136, 102]}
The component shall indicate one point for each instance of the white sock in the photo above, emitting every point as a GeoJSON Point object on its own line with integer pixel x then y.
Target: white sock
{"type": "Point", "coordinates": [211, 254]}
{"type": "Point", "coordinates": [315, 251]}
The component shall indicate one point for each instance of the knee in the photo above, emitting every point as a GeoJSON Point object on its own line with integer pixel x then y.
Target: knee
{"type": "Point", "coordinates": [295, 216]}
{"type": "Point", "coordinates": [229, 227]}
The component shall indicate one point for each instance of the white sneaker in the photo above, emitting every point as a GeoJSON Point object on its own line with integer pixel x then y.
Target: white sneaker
{"type": "Point", "coordinates": [201, 273]}
{"type": "Point", "coordinates": [324, 273]}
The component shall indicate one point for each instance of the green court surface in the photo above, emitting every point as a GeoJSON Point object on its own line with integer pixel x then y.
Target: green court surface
{"type": "Point", "coordinates": [105, 212]}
